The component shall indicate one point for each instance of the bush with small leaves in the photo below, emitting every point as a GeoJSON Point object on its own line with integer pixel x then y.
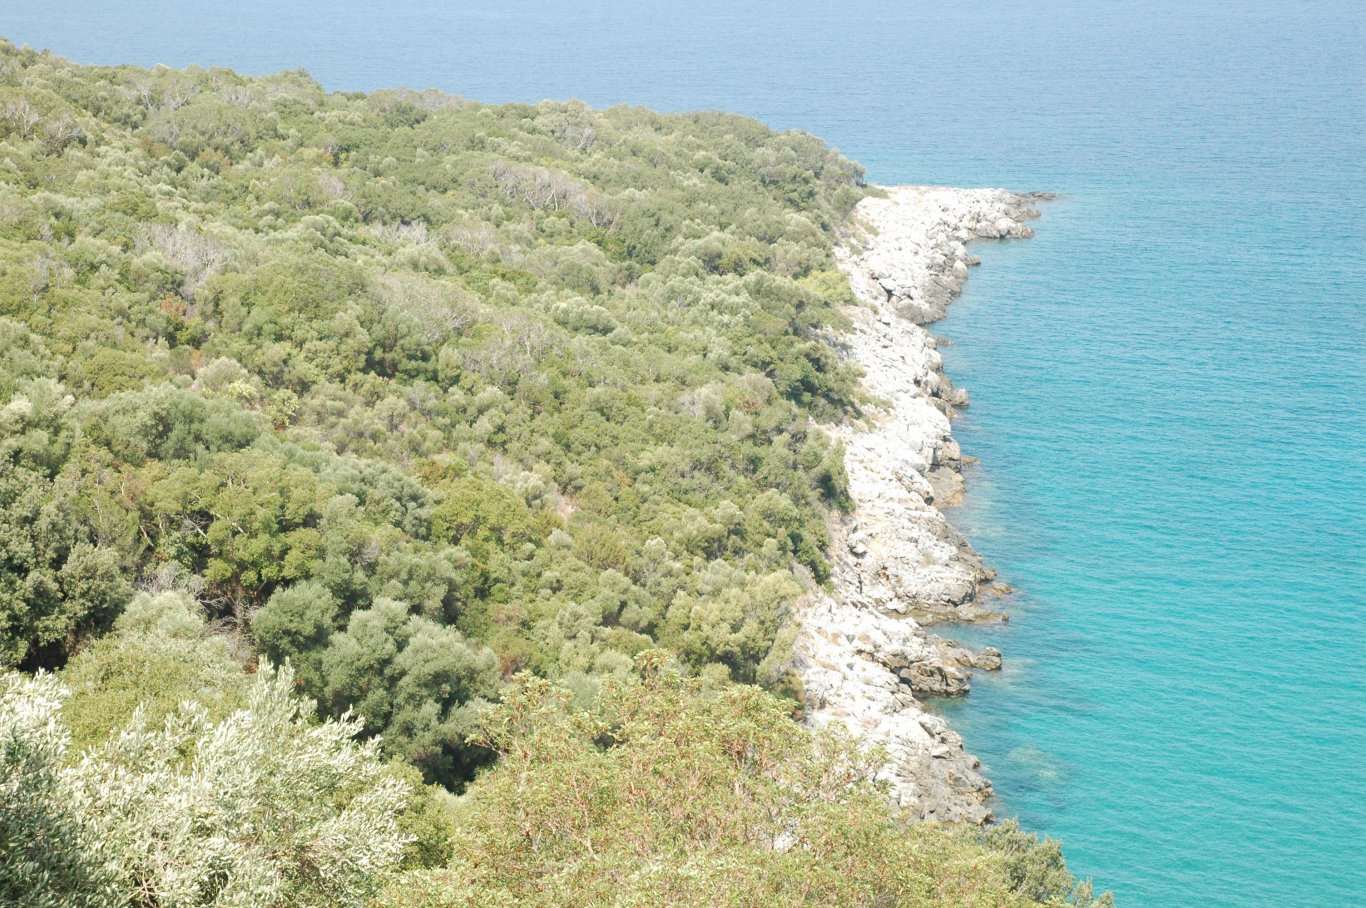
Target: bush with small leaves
{"type": "Point", "coordinates": [261, 807]}
{"type": "Point", "coordinates": [667, 792]}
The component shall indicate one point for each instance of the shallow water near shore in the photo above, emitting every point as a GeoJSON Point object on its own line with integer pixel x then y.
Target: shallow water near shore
{"type": "Point", "coordinates": [1168, 382]}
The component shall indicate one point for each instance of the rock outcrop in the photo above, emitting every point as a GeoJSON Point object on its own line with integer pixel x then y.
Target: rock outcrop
{"type": "Point", "coordinates": [863, 655]}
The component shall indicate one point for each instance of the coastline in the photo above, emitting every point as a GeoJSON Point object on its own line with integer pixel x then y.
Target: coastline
{"type": "Point", "coordinates": [863, 652]}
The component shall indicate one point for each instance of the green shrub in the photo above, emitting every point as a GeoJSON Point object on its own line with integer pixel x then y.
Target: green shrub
{"type": "Point", "coordinates": [666, 793]}
{"type": "Point", "coordinates": [159, 656]}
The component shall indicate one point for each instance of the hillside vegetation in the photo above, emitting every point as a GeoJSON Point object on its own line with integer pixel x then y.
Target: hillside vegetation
{"type": "Point", "coordinates": [361, 451]}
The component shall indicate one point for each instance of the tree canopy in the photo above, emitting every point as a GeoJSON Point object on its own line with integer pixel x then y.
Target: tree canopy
{"type": "Point", "coordinates": [543, 377]}
{"type": "Point", "coordinates": [491, 426]}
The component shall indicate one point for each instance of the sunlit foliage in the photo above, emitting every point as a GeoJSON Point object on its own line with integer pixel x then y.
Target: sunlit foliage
{"type": "Point", "coordinates": [492, 426]}
{"type": "Point", "coordinates": [668, 793]}
{"type": "Point", "coordinates": [541, 376]}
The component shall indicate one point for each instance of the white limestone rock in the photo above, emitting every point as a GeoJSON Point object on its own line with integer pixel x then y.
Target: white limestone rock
{"type": "Point", "coordinates": [862, 653]}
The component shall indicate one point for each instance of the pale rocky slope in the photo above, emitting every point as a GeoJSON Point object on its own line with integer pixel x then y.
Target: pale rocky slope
{"type": "Point", "coordinates": [862, 654]}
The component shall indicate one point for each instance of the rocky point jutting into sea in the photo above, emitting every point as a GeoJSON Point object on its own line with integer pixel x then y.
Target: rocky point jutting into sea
{"type": "Point", "coordinates": [863, 654]}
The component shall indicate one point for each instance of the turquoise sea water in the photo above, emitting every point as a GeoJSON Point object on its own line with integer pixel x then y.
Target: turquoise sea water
{"type": "Point", "coordinates": [1169, 382]}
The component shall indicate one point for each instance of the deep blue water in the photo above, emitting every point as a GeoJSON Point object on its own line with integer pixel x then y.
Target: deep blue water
{"type": "Point", "coordinates": [1169, 382]}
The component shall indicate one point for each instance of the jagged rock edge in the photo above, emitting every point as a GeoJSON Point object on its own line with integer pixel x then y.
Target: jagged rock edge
{"type": "Point", "coordinates": [862, 654]}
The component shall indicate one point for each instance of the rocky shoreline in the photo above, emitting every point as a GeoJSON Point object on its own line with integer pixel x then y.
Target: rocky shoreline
{"type": "Point", "coordinates": [863, 654]}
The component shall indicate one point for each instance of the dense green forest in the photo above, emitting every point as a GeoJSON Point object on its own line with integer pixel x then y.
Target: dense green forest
{"type": "Point", "coordinates": [402, 501]}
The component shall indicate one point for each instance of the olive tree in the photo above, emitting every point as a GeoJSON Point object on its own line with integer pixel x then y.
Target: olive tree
{"type": "Point", "coordinates": [262, 807]}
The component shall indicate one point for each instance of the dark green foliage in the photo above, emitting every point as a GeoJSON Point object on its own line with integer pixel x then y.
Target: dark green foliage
{"type": "Point", "coordinates": [169, 424]}
{"type": "Point", "coordinates": [54, 582]}
{"type": "Point", "coordinates": [295, 626]}
{"type": "Point", "coordinates": [415, 682]}
{"type": "Point", "coordinates": [548, 376]}
{"type": "Point", "coordinates": [413, 394]}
